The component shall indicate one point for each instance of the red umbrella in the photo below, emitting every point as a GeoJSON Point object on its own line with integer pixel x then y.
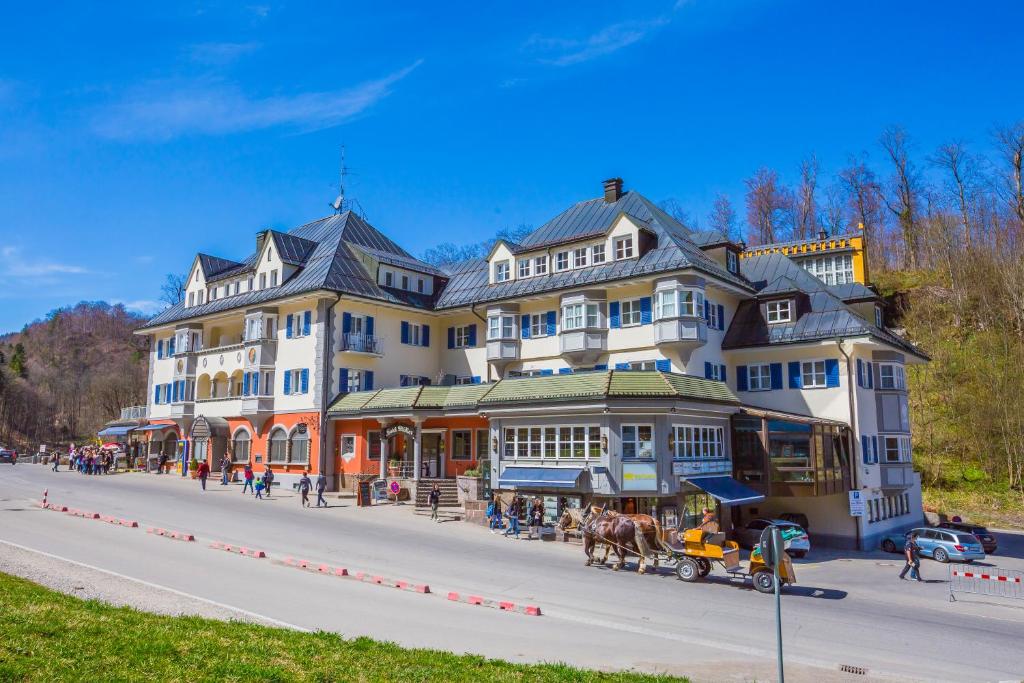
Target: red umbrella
{"type": "Point", "coordinates": [112, 444]}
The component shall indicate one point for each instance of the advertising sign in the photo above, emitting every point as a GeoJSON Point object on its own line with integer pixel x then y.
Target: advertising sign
{"type": "Point", "coordinates": [857, 504]}
{"type": "Point", "coordinates": [640, 476]}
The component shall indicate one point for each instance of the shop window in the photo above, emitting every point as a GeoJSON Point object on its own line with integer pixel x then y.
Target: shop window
{"type": "Point", "coordinates": [482, 447]}
{"type": "Point", "coordinates": [789, 451]}
{"type": "Point", "coordinates": [347, 447]}
{"type": "Point", "coordinates": [462, 447]}
{"type": "Point", "coordinates": [694, 442]}
{"type": "Point", "coordinates": [373, 445]}
{"type": "Point", "coordinates": [565, 442]}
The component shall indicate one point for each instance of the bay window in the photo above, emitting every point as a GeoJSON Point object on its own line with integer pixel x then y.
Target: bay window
{"type": "Point", "coordinates": [637, 441]}
{"type": "Point", "coordinates": [691, 302]}
{"type": "Point", "coordinates": [501, 327]}
{"type": "Point", "coordinates": [897, 448]}
{"type": "Point", "coordinates": [891, 376]}
{"type": "Point", "coordinates": [555, 442]}
{"type": "Point", "coordinates": [675, 303]}
{"type": "Point", "coordinates": [695, 442]}
{"type": "Point", "coordinates": [579, 316]}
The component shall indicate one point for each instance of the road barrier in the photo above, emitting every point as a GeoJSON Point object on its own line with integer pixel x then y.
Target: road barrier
{"type": "Point", "coordinates": [989, 581]}
{"type": "Point", "coordinates": [240, 549]}
{"type": "Point", "coordinates": [176, 535]}
{"type": "Point", "coordinates": [503, 605]}
{"type": "Point", "coordinates": [364, 577]}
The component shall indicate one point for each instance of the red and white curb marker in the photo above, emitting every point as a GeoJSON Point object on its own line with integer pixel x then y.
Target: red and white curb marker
{"type": "Point", "coordinates": [503, 605]}
{"type": "Point", "coordinates": [240, 549]}
{"type": "Point", "coordinates": [364, 577]}
{"type": "Point", "coordinates": [987, 577]}
{"type": "Point", "coordinates": [176, 535]}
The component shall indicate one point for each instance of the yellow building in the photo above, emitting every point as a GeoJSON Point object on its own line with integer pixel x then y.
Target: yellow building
{"type": "Point", "coordinates": [835, 259]}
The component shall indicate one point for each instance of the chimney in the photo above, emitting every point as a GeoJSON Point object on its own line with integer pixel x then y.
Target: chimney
{"type": "Point", "coordinates": [261, 237]}
{"type": "Point", "coordinates": [822, 235]}
{"type": "Point", "coordinates": [612, 190]}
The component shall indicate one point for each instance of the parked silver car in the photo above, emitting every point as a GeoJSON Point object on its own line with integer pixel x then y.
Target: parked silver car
{"type": "Point", "coordinates": [944, 545]}
{"type": "Point", "coordinates": [750, 535]}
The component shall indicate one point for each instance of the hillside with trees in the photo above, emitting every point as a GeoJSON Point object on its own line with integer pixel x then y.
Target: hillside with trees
{"type": "Point", "coordinates": [62, 377]}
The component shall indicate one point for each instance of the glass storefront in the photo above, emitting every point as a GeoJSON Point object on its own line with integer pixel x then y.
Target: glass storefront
{"type": "Point", "coordinates": [693, 503]}
{"type": "Point", "coordinates": [789, 452]}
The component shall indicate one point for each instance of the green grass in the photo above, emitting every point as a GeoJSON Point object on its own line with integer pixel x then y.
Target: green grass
{"type": "Point", "coordinates": [49, 636]}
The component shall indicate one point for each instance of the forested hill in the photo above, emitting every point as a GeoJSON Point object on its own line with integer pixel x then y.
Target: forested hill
{"type": "Point", "coordinates": [65, 375]}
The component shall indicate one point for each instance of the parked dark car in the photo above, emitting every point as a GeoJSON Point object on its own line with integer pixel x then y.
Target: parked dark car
{"type": "Point", "coordinates": [988, 540]}
{"type": "Point", "coordinates": [8, 455]}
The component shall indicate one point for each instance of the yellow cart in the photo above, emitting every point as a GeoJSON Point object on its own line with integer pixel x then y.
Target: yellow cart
{"type": "Point", "coordinates": [694, 551]}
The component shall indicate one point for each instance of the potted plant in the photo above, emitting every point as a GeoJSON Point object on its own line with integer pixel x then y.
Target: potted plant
{"type": "Point", "coordinates": [394, 467]}
{"type": "Point", "coordinates": [193, 467]}
{"type": "Point", "coordinates": [470, 485]}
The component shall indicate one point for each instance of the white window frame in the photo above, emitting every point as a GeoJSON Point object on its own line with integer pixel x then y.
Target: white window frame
{"type": "Point", "coordinates": [762, 372]}
{"type": "Point", "coordinates": [623, 247]}
{"type": "Point", "coordinates": [574, 317]}
{"type": "Point", "coordinates": [593, 316]}
{"type": "Point", "coordinates": [878, 317]}
{"type": "Point", "coordinates": [415, 334]}
{"type": "Point", "coordinates": [343, 449]}
{"type": "Point", "coordinates": [273, 278]}
{"type": "Point", "coordinates": [525, 267]}
{"type": "Point", "coordinates": [691, 303]}
{"type": "Point", "coordinates": [354, 379]}
{"type": "Point", "coordinates": [502, 271]}
{"type": "Point", "coordinates": [420, 285]}
{"type": "Point", "coordinates": [814, 374]}
{"type": "Point", "coordinates": [897, 377]}
{"type": "Point", "coordinates": [665, 304]}
{"type": "Point", "coordinates": [713, 321]}
{"type": "Point", "coordinates": [501, 327]}
{"type": "Point", "coordinates": [389, 278]}
{"type": "Point", "coordinates": [637, 365]}
{"type": "Point", "coordinates": [633, 447]}
{"type": "Point", "coordinates": [538, 325]}
{"type": "Point", "coordinates": [779, 311]}
{"type": "Point", "coordinates": [698, 442]}
{"type": "Point", "coordinates": [263, 280]}
{"type": "Point", "coordinates": [551, 442]}
{"type": "Point", "coordinates": [540, 265]}
{"type": "Point", "coordinates": [561, 261]}
{"type": "Point", "coordinates": [629, 313]}
{"type": "Point", "coordinates": [901, 448]}
{"type": "Point", "coordinates": [580, 257]}
{"type": "Point", "coordinates": [462, 336]}
{"type": "Point", "coordinates": [597, 254]}
{"type": "Point", "coordinates": [731, 261]}
{"type": "Point", "coordinates": [405, 282]}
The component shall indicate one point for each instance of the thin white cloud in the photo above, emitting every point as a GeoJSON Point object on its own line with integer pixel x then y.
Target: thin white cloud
{"type": "Point", "coordinates": [570, 51]}
{"type": "Point", "coordinates": [162, 111]}
{"type": "Point", "coordinates": [220, 54]}
{"type": "Point", "coordinates": [144, 306]}
{"type": "Point", "coordinates": [19, 268]}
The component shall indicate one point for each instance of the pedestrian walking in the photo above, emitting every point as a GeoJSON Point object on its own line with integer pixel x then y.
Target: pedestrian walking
{"type": "Point", "coordinates": [248, 476]}
{"type": "Point", "coordinates": [260, 485]}
{"type": "Point", "coordinates": [203, 472]}
{"type": "Point", "coordinates": [494, 514]}
{"type": "Point", "coordinates": [161, 464]}
{"type": "Point", "coordinates": [434, 498]}
{"type": "Point", "coordinates": [56, 459]}
{"type": "Point", "coordinates": [304, 485]}
{"type": "Point", "coordinates": [912, 553]}
{"type": "Point", "coordinates": [321, 486]}
{"type": "Point", "coordinates": [225, 470]}
{"type": "Point", "coordinates": [513, 517]}
{"type": "Point", "coordinates": [536, 518]}
{"type": "Point", "coordinates": [268, 479]}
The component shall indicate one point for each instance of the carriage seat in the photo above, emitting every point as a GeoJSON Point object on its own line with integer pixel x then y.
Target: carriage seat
{"type": "Point", "coordinates": [716, 538]}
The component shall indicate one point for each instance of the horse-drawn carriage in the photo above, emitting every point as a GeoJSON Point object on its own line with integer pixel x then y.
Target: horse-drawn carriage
{"type": "Point", "coordinates": [691, 552]}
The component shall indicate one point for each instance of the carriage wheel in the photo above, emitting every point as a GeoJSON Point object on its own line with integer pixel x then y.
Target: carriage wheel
{"type": "Point", "coordinates": [764, 581]}
{"type": "Point", "coordinates": [687, 570]}
{"type": "Point", "coordinates": [703, 566]}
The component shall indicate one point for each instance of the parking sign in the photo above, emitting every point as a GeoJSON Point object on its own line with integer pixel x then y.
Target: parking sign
{"type": "Point", "coordinates": [857, 504]}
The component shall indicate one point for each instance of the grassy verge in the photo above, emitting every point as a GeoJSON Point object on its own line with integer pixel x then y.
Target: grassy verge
{"type": "Point", "coordinates": [992, 506]}
{"type": "Point", "coordinates": [49, 636]}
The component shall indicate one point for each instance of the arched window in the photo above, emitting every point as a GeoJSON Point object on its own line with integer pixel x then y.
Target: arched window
{"type": "Point", "coordinates": [240, 446]}
{"type": "Point", "coordinates": [278, 446]}
{"type": "Point", "coordinates": [299, 448]}
{"type": "Point", "coordinates": [171, 446]}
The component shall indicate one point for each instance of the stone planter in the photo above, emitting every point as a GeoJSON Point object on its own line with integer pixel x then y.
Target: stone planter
{"type": "Point", "coordinates": [469, 488]}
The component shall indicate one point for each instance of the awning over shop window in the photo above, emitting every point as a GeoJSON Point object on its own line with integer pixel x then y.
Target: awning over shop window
{"type": "Point", "coordinates": [540, 478]}
{"type": "Point", "coordinates": [115, 431]}
{"type": "Point", "coordinates": [153, 428]}
{"type": "Point", "coordinates": [727, 490]}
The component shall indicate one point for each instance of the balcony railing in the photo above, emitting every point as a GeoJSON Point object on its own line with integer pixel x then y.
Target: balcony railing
{"type": "Point", "coordinates": [134, 413]}
{"type": "Point", "coordinates": [362, 343]}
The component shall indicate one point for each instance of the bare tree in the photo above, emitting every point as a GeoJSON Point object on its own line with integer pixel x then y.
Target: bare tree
{"type": "Point", "coordinates": [806, 214]}
{"type": "Point", "coordinates": [1010, 140]}
{"type": "Point", "coordinates": [769, 207]}
{"type": "Point", "coordinates": [832, 211]}
{"type": "Point", "coordinates": [173, 290]}
{"type": "Point", "coordinates": [961, 182]}
{"type": "Point", "coordinates": [904, 191]}
{"type": "Point", "coordinates": [723, 218]}
{"type": "Point", "coordinates": [675, 209]}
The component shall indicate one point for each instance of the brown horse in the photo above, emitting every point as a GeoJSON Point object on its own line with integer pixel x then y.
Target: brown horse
{"type": "Point", "coordinates": [647, 539]}
{"type": "Point", "coordinates": [614, 531]}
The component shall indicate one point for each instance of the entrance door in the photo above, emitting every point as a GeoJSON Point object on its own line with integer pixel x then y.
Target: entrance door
{"type": "Point", "coordinates": [430, 456]}
{"type": "Point", "coordinates": [220, 445]}
{"type": "Point", "coordinates": [198, 450]}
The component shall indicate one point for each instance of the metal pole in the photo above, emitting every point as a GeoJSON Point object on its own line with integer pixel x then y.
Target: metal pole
{"type": "Point", "coordinates": [777, 557]}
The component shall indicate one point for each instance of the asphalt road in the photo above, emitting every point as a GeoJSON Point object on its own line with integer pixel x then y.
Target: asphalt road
{"type": "Point", "coordinates": [844, 610]}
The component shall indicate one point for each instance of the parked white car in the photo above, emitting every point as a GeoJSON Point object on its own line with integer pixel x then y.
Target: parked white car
{"type": "Point", "coordinates": [750, 535]}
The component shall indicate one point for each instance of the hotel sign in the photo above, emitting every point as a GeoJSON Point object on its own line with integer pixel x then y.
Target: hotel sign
{"type": "Point", "coordinates": [640, 476]}
{"type": "Point", "coordinates": [399, 429]}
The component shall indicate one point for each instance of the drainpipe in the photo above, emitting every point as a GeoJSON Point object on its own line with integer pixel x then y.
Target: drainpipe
{"type": "Point", "coordinates": [483, 325]}
{"type": "Point", "coordinates": [325, 388]}
{"type": "Point", "coordinates": [854, 466]}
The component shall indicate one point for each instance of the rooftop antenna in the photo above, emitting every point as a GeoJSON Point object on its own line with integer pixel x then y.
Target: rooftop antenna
{"type": "Point", "coordinates": [342, 203]}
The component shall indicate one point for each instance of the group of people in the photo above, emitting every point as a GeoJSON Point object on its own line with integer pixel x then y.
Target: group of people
{"type": "Point", "coordinates": [87, 460]}
{"type": "Point", "coordinates": [260, 485]}
{"type": "Point", "coordinates": [516, 508]}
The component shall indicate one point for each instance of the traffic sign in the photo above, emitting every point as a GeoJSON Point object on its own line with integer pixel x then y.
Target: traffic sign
{"type": "Point", "coordinates": [858, 505]}
{"type": "Point", "coordinates": [395, 487]}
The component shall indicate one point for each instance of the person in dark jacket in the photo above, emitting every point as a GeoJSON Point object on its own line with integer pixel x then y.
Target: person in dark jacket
{"type": "Point", "coordinates": [512, 513]}
{"type": "Point", "coordinates": [536, 518]}
{"type": "Point", "coordinates": [494, 514]}
{"type": "Point", "coordinates": [248, 476]}
{"type": "Point", "coordinates": [268, 479]}
{"type": "Point", "coordinates": [321, 486]}
{"type": "Point", "coordinates": [912, 553]}
{"type": "Point", "coordinates": [304, 485]}
{"type": "Point", "coordinates": [434, 498]}
{"type": "Point", "coordinates": [203, 472]}
{"type": "Point", "coordinates": [225, 470]}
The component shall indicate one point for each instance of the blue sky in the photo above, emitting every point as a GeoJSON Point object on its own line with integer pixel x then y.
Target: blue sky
{"type": "Point", "coordinates": [135, 135]}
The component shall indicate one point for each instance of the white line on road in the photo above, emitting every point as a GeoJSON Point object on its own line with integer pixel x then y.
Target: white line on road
{"type": "Point", "coordinates": [221, 605]}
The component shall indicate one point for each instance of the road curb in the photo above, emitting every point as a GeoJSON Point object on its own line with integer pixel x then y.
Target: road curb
{"type": "Point", "coordinates": [174, 535]}
{"type": "Point", "coordinates": [503, 605]}
{"type": "Point", "coordinates": [362, 577]}
{"type": "Point", "coordinates": [237, 549]}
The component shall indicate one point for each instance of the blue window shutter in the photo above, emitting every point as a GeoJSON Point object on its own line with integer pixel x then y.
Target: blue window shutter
{"type": "Point", "coordinates": [613, 315]}
{"type": "Point", "coordinates": [160, 348]}
{"type": "Point", "coordinates": [865, 454]}
{"type": "Point", "coordinates": [564, 371]}
{"type": "Point", "coordinates": [663, 365]}
{"type": "Point", "coordinates": [451, 337]}
{"type": "Point", "coordinates": [645, 310]}
{"type": "Point", "coordinates": [167, 393]}
{"type": "Point", "coordinates": [741, 378]}
{"type": "Point", "coordinates": [342, 380]}
{"type": "Point", "coordinates": [255, 384]}
{"type": "Point", "coordinates": [707, 370]}
{"type": "Point", "coordinates": [775, 370]}
{"type": "Point", "coordinates": [875, 440]}
{"type": "Point", "coordinates": [721, 317]}
{"type": "Point", "coordinates": [601, 367]}
{"type": "Point", "coordinates": [551, 322]}
{"type": "Point", "coordinates": [707, 310]}
{"type": "Point", "coordinates": [795, 381]}
{"type": "Point", "coordinates": [871, 375]}
{"type": "Point", "coordinates": [622, 366]}
{"type": "Point", "coordinates": [405, 332]}
{"type": "Point", "coordinates": [722, 373]}
{"type": "Point", "coordinates": [368, 325]}
{"type": "Point", "coordinates": [547, 371]}
{"type": "Point", "coordinates": [174, 392]}
{"type": "Point", "coordinates": [288, 323]}
{"type": "Point", "coordinates": [246, 378]}
{"type": "Point", "coordinates": [287, 382]}
{"type": "Point", "coordinates": [307, 319]}
{"type": "Point", "coordinates": [475, 379]}
{"type": "Point", "coordinates": [170, 346]}
{"type": "Point", "coordinates": [831, 372]}
{"type": "Point", "coordinates": [425, 335]}
{"type": "Point", "coordinates": [156, 394]}
{"type": "Point", "coordinates": [368, 380]}
{"type": "Point", "coordinates": [403, 380]}
{"type": "Point", "coordinates": [860, 373]}
{"type": "Point", "coordinates": [304, 375]}
{"type": "Point", "coordinates": [472, 334]}
{"type": "Point", "coordinates": [524, 325]}
{"type": "Point", "coordinates": [346, 323]}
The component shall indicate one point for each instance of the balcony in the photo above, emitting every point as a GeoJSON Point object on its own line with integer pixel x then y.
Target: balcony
{"type": "Point", "coordinates": [501, 351]}
{"type": "Point", "coordinates": [134, 413]}
{"type": "Point", "coordinates": [356, 342]}
{"type": "Point", "coordinates": [260, 352]}
{"type": "Point", "coordinates": [582, 347]}
{"type": "Point", "coordinates": [684, 332]}
{"type": "Point", "coordinates": [896, 476]}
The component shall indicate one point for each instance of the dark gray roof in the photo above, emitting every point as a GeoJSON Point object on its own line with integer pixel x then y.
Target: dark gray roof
{"type": "Point", "coordinates": [853, 291]}
{"type": "Point", "coordinates": [594, 217]}
{"type": "Point", "coordinates": [407, 262]}
{"type": "Point", "coordinates": [292, 249]}
{"type": "Point", "coordinates": [706, 238]}
{"type": "Point", "coordinates": [214, 265]}
{"type": "Point", "coordinates": [826, 317]}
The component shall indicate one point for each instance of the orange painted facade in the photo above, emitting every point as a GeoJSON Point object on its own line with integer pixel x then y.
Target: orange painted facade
{"type": "Point", "coordinates": [259, 442]}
